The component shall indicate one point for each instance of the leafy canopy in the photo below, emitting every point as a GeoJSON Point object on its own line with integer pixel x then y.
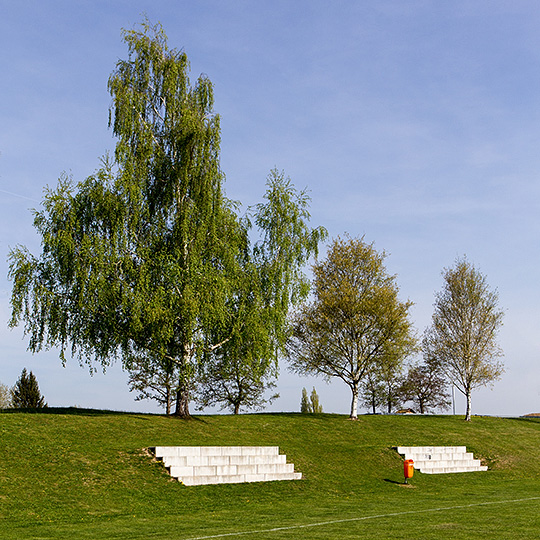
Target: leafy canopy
{"type": "Point", "coordinates": [147, 261]}
{"type": "Point", "coordinates": [462, 338]}
{"type": "Point", "coordinates": [356, 321]}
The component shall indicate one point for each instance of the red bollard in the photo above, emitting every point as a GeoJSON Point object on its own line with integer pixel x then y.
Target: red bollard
{"type": "Point", "coordinates": [408, 469]}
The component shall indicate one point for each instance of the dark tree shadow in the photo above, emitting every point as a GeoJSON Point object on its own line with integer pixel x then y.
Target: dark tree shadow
{"type": "Point", "coordinates": [78, 411]}
{"type": "Point", "coordinates": [395, 482]}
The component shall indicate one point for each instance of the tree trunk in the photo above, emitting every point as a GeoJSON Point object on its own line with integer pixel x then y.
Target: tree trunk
{"type": "Point", "coordinates": [354, 404]}
{"type": "Point", "coordinates": [182, 402]}
{"type": "Point", "coordinates": [236, 408]}
{"type": "Point", "coordinates": [468, 412]}
{"type": "Point", "coordinates": [182, 393]}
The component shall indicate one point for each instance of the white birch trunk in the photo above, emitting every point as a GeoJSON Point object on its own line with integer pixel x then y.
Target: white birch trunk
{"type": "Point", "coordinates": [354, 404]}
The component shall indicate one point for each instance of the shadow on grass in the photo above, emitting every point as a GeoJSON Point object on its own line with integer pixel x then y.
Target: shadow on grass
{"type": "Point", "coordinates": [532, 419]}
{"type": "Point", "coordinates": [78, 411]}
{"type": "Point", "coordinates": [293, 414]}
{"type": "Point", "coordinates": [394, 482]}
{"type": "Point", "coordinates": [400, 484]}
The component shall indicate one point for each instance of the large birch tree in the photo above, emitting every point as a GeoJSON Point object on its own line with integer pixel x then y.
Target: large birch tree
{"type": "Point", "coordinates": [146, 260]}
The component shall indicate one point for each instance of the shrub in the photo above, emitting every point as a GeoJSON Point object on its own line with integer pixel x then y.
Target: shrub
{"type": "Point", "coordinates": [5, 397]}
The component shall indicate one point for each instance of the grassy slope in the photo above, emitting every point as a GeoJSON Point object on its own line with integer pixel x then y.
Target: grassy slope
{"type": "Point", "coordinates": [84, 474]}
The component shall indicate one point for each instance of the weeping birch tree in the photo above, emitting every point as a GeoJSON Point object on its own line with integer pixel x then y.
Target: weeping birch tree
{"type": "Point", "coordinates": [145, 260]}
{"type": "Point", "coordinates": [462, 339]}
{"type": "Point", "coordinates": [137, 260]}
{"type": "Point", "coordinates": [240, 373]}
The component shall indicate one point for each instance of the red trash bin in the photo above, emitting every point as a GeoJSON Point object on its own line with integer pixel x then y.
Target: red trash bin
{"type": "Point", "coordinates": [408, 469]}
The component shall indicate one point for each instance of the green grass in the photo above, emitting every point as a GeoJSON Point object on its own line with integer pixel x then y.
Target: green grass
{"type": "Point", "coordinates": [84, 474]}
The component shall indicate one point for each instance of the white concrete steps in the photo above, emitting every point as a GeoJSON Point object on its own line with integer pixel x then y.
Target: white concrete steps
{"type": "Point", "coordinates": [441, 459]}
{"type": "Point", "coordinates": [197, 465]}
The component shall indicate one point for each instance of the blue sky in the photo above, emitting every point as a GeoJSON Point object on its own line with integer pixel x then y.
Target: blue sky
{"type": "Point", "coordinates": [416, 124]}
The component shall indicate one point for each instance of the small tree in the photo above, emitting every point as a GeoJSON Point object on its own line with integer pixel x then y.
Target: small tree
{"type": "Point", "coordinates": [25, 394]}
{"type": "Point", "coordinates": [371, 392]}
{"type": "Point", "coordinates": [154, 379]}
{"type": "Point", "coordinates": [316, 407]}
{"type": "Point", "coordinates": [355, 321]}
{"type": "Point", "coordinates": [390, 376]}
{"type": "Point", "coordinates": [305, 405]}
{"type": "Point", "coordinates": [236, 379]}
{"type": "Point", "coordinates": [5, 397]}
{"type": "Point", "coordinates": [381, 386]}
{"type": "Point", "coordinates": [463, 336]}
{"type": "Point", "coordinates": [426, 386]}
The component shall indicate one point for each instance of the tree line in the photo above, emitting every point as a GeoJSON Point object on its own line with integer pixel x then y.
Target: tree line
{"type": "Point", "coordinates": [147, 262]}
{"type": "Point", "coordinates": [358, 330]}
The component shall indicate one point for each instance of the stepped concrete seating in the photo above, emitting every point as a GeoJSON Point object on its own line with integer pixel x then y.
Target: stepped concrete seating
{"type": "Point", "coordinates": [441, 459]}
{"type": "Point", "coordinates": [197, 465]}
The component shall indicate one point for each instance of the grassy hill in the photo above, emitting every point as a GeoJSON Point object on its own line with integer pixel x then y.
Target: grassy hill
{"type": "Point", "coordinates": [85, 474]}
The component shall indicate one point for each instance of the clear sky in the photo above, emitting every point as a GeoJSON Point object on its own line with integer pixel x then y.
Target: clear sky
{"type": "Point", "coordinates": [415, 124]}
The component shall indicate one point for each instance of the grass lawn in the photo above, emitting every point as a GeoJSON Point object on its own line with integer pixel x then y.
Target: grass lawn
{"type": "Point", "coordinates": [85, 474]}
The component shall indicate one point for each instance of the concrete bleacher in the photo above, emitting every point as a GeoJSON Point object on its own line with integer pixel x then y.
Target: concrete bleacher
{"type": "Point", "coordinates": [198, 465]}
{"type": "Point", "coordinates": [441, 459]}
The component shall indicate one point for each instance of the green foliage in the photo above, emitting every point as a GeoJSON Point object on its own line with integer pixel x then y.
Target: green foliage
{"type": "Point", "coordinates": [137, 259]}
{"type": "Point", "coordinates": [25, 394]}
{"type": "Point", "coordinates": [356, 322]}
{"type": "Point", "coordinates": [462, 339]}
{"type": "Point", "coordinates": [305, 404]}
{"type": "Point", "coordinates": [240, 371]}
{"type": "Point", "coordinates": [148, 262]}
{"type": "Point", "coordinates": [316, 407]}
{"type": "Point", "coordinates": [78, 473]}
{"type": "Point", "coordinates": [311, 404]}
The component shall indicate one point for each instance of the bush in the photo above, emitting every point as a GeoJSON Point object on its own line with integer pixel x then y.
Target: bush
{"type": "Point", "coordinates": [5, 397]}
